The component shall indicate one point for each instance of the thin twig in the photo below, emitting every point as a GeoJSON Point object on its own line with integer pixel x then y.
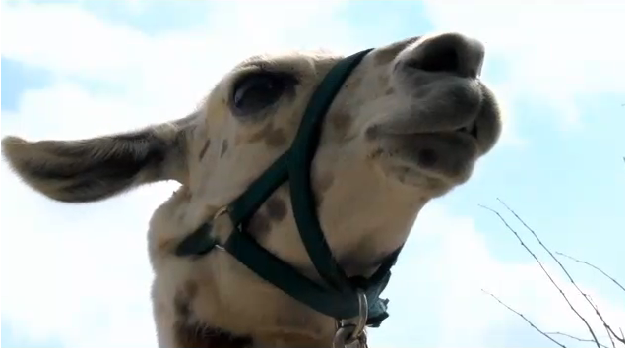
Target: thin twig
{"type": "Point", "coordinates": [575, 338]}
{"type": "Point", "coordinates": [524, 318]}
{"type": "Point", "coordinates": [592, 332]}
{"type": "Point", "coordinates": [607, 330]}
{"type": "Point", "coordinates": [597, 312]}
{"type": "Point", "coordinates": [593, 266]}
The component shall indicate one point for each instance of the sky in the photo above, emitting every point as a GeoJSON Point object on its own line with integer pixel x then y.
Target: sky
{"type": "Point", "coordinates": [77, 69]}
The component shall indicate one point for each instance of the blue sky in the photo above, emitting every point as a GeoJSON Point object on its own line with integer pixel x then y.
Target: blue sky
{"type": "Point", "coordinates": [80, 68]}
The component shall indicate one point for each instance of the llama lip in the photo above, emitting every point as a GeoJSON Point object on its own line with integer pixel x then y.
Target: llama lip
{"type": "Point", "coordinates": [443, 157]}
{"type": "Point", "coordinates": [470, 130]}
{"type": "Point", "coordinates": [377, 131]}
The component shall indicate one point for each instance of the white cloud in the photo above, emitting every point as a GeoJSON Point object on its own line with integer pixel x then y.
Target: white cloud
{"type": "Point", "coordinates": [179, 66]}
{"type": "Point", "coordinates": [556, 51]}
{"type": "Point", "coordinates": [58, 277]}
{"type": "Point", "coordinates": [79, 273]}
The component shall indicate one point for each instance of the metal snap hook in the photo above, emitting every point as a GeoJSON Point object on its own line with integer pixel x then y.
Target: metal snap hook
{"type": "Point", "coordinates": [350, 330]}
{"type": "Point", "coordinates": [341, 336]}
{"type": "Point", "coordinates": [344, 337]}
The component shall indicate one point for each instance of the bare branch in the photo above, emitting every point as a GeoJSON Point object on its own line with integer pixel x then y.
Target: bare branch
{"type": "Point", "coordinates": [593, 266]}
{"type": "Point", "coordinates": [596, 307]}
{"type": "Point", "coordinates": [597, 312]}
{"type": "Point", "coordinates": [607, 328]}
{"type": "Point", "coordinates": [592, 332]}
{"type": "Point", "coordinates": [575, 338]}
{"type": "Point", "coordinates": [524, 318]}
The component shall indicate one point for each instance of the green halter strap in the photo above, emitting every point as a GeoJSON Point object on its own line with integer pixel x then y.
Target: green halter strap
{"type": "Point", "coordinates": [339, 299]}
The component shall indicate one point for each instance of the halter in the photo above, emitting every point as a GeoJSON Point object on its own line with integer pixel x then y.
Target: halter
{"type": "Point", "coordinates": [352, 301]}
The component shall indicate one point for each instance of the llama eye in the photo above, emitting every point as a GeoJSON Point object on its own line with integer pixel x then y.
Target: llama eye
{"type": "Point", "coordinates": [254, 92]}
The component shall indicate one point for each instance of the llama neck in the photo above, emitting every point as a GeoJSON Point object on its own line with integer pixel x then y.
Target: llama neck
{"type": "Point", "coordinates": [212, 337]}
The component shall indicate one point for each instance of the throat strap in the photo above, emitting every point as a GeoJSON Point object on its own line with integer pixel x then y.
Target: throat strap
{"type": "Point", "coordinates": [337, 299]}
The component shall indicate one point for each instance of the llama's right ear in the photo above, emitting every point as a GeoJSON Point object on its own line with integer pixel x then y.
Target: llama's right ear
{"type": "Point", "coordinates": [95, 169]}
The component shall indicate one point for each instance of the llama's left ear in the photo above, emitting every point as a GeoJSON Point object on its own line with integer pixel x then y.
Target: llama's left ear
{"type": "Point", "coordinates": [99, 168]}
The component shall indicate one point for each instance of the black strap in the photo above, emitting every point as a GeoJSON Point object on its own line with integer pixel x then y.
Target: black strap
{"type": "Point", "coordinates": [301, 155]}
{"type": "Point", "coordinates": [339, 299]}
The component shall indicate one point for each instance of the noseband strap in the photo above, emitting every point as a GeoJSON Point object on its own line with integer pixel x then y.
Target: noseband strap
{"type": "Point", "coordinates": [338, 298]}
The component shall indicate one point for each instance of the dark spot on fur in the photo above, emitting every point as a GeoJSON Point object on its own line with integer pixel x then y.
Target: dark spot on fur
{"type": "Point", "coordinates": [276, 208]}
{"type": "Point", "coordinates": [182, 305]}
{"type": "Point", "coordinates": [389, 91]}
{"type": "Point", "coordinates": [190, 288]}
{"type": "Point", "coordinates": [224, 146]}
{"type": "Point", "coordinates": [259, 224]}
{"type": "Point", "coordinates": [341, 123]}
{"type": "Point", "coordinates": [275, 138]}
{"type": "Point", "coordinates": [204, 148]}
{"type": "Point", "coordinates": [197, 335]}
{"type": "Point", "coordinates": [182, 300]}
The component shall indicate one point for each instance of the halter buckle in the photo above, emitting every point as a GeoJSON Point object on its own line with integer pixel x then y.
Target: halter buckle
{"type": "Point", "coordinates": [221, 211]}
{"type": "Point", "coordinates": [351, 330]}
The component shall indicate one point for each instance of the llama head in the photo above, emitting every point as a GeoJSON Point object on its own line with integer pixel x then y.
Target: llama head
{"type": "Point", "coordinates": [408, 125]}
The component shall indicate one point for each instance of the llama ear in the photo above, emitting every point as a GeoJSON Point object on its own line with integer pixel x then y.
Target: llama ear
{"type": "Point", "coordinates": [95, 169]}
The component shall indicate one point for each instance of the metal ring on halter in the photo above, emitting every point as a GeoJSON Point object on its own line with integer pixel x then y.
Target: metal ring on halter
{"type": "Point", "coordinates": [350, 330]}
{"type": "Point", "coordinates": [221, 211]}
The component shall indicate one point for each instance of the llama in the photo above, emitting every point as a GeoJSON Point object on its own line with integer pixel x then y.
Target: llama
{"type": "Point", "coordinates": [405, 124]}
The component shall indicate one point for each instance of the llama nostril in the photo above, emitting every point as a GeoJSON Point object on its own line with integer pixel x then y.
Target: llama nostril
{"type": "Point", "coordinates": [451, 52]}
{"type": "Point", "coordinates": [438, 59]}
